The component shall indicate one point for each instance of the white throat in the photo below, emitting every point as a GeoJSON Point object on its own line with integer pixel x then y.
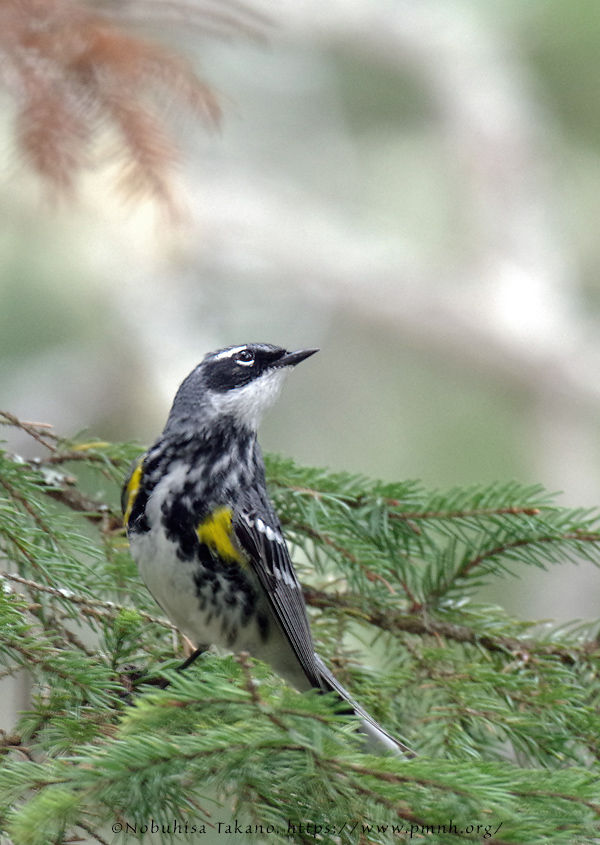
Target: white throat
{"type": "Point", "coordinates": [248, 403]}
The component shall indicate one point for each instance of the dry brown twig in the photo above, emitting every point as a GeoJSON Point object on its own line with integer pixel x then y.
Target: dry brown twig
{"type": "Point", "coordinates": [72, 71]}
{"type": "Point", "coordinates": [217, 18]}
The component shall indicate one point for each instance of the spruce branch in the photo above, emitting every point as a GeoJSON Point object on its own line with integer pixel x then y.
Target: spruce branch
{"type": "Point", "coordinates": [39, 431]}
{"type": "Point", "coordinates": [505, 715]}
{"type": "Point", "coordinates": [425, 625]}
{"type": "Point", "coordinates": [90, 607]}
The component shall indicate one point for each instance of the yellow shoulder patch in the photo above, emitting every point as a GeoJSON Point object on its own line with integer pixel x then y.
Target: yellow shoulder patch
{"type": "Point", "coordinates": [132, 486]}
{"type": "Point", "coordinates": [215, 532]}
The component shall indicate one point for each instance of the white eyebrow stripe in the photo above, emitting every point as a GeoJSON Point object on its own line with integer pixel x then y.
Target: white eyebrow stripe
{"type": "Point", "coordinates": [227, 353]}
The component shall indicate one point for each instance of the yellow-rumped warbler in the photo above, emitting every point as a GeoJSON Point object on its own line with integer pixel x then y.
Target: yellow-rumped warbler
{"type": "Point", "coordinates": [203, 531]}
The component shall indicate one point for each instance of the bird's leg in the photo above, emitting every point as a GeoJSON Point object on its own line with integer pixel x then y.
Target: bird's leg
{"type": "Point", "coordinates": [192, 657]}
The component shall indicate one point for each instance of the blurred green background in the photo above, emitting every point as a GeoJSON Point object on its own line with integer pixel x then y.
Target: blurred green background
{"type": "Point", "coordinates": [414, 188]}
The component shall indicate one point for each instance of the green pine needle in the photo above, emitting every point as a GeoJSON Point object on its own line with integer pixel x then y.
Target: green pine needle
{"type": "Point", "coordinates": [503, 713]}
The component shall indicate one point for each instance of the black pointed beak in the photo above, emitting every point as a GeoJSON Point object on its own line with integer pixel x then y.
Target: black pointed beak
{"type": "Point", "coordinates": [290, 359]}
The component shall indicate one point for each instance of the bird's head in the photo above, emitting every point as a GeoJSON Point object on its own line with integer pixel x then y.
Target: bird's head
{"type": "Point", "coordinates": [241, 382]}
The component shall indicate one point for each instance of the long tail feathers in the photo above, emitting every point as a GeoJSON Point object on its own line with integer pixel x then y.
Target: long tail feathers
{"type": "Point", "coordinates": [377, 738]}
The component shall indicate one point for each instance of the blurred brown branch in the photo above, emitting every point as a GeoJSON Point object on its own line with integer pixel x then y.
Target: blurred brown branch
{"type": "Point", "coordinates": [220, 18]}
{"type": "Point", "coordinates": [72, 71]}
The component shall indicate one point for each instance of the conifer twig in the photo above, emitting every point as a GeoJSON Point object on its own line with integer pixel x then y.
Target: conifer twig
{"type": "Point", "coordinates": [72, 69]}
{"type": "Point", "coordinates": [39, 431]}
{"type": "Point", "coordinates": [498, 551]}
{"type": "Point", "coordinates": [89, 605]}
{"type": "Point", "coordinates": [91, 832]}
{"type": "Point", "coordinates": [358, 501]}
{"type": "Point", "coordinates": [395, 621]}
{"type": "Point", "coordinates": [251, 688]}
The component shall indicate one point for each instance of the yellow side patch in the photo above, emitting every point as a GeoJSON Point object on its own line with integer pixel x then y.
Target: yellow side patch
{"type": "Point", "coordinates": [215, 532]}
{"type": "Point", "coordinates": [131, 489]}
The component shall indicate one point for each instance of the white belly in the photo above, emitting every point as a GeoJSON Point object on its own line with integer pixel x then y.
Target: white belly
{"type": "Point", "coordinates": [172, 585]}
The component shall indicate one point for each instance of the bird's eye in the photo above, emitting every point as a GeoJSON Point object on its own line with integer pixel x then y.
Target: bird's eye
{"type": "Point", "coordinates": [245, 356]}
